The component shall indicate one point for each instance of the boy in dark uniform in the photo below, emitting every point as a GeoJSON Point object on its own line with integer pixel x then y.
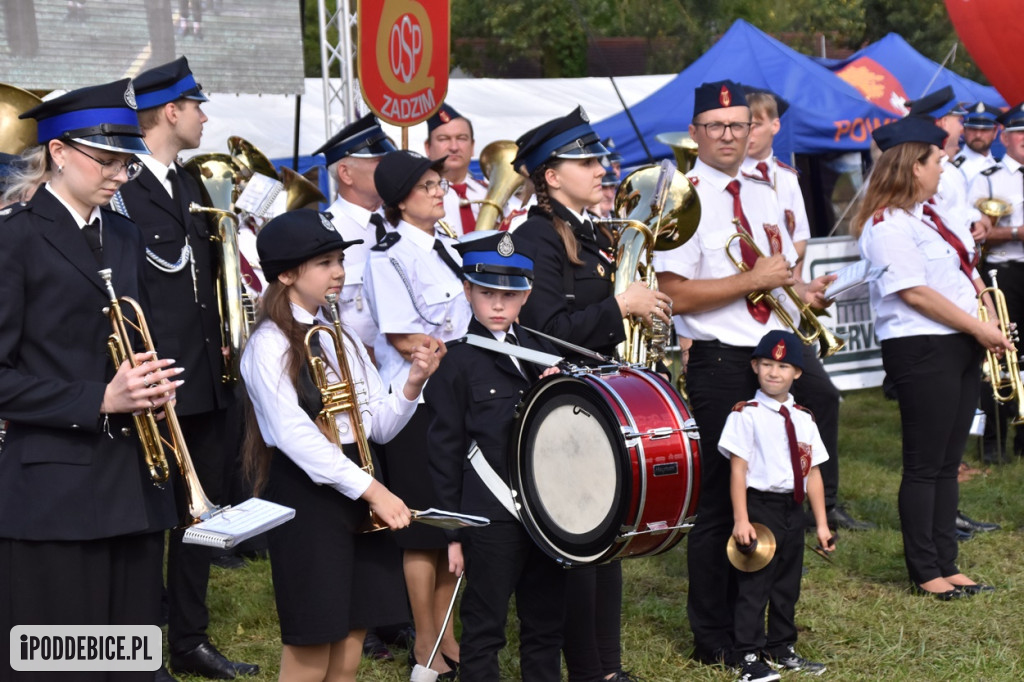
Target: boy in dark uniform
{"type": "Point", "coordinates": [774, 450]}
{"type": "Point", "coordinates": [472, 398]}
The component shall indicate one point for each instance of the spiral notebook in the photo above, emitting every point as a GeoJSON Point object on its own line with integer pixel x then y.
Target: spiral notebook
{"type": "Point", "coordinates": [232, 525]}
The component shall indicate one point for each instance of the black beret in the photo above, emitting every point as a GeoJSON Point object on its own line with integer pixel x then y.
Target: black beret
{"type": "Point", "coordinates": [399, 171]}
{"type": "Point", "coordinates": [292, 238]}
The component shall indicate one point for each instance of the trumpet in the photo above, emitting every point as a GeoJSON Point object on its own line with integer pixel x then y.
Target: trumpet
{"type": "Point", "coordinates": [828, 342]}
{"type": "Point", "coordinates": [153, 442]}
{"type": "Point", "coordinates": [339, 397]}
{"type": "Point", "coordinates": [1004, 374]}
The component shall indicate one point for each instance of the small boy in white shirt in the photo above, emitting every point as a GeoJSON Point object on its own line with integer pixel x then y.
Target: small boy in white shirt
{"type": "Point", "coordinates": [774, 450]}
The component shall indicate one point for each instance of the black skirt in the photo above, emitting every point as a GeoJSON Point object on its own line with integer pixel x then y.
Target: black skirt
{"type": "Point", "coordinates": [328, 580]}
{"type": "Point", "coordinates": [408, 476]}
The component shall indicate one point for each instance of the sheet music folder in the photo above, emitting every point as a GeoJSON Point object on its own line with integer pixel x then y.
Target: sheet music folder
{"type": "Point", "coordinates": [232, 525]}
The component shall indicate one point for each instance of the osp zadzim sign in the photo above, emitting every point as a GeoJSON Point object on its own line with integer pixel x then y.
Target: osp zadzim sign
{"type": "Point", "coordinates": [403, 57]}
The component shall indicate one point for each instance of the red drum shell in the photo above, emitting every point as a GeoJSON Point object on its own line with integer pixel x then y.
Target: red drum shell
{"type": "Point", "coordinates": [605, 465]}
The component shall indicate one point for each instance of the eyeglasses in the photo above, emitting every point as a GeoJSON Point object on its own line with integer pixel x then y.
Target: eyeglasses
{"type": "Point", "coordinates": [112, 168]}
{"type": "Point", "coordinates": [431, 185]}
{"type": "Point", "coordinates": [716, 129]}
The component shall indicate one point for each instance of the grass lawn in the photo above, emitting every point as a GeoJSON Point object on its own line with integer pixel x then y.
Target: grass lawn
{"type": "Point", "coordinates": [856, 614]}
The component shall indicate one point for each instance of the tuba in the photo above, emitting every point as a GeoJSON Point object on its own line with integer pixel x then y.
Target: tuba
{"type": "Point", "coordinates": [153, 442]}
{"type": "Point", "coordinates": [683, 148]}
{"type": "Point", "coordinates": [237, 308]}
{"type": "Point", "coordinates": [658, 209]}
{"type": "Point", "coordinates": [340, 396]}
{"type": "Point", "coordinates": [829, 343]}
{"type": "Point", "coordinates": [1003, 374]}
{"type": "Point", "coordinates": [18, 134]}
{"type": "Point", "coordinates": [496, 162]}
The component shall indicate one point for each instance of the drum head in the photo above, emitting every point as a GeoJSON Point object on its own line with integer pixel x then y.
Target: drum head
{"type": "Point", "coordinates": [573, 471]}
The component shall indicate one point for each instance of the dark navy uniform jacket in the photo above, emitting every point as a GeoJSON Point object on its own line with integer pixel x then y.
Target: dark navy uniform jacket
{"type": "Point", "coordinates": [62, 477]}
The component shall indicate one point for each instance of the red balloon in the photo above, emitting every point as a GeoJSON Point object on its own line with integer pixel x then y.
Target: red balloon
{"type": "Point", "coordinates": [989, 30]}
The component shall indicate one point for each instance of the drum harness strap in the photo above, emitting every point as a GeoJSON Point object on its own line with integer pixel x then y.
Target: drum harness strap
{"type": "Point", "coordinates": [481, 466]}
{"type": "Point", "coordinates": [492, 480]}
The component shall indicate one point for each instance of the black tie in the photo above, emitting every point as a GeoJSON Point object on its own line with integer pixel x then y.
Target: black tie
{"type": "Point", "coordinates": [93, 239]}
{"type": "Point", "coordinates": [448, 260]}
{"type": "Point", "coordinates": [172, 180]}
{"type": "Point", "coordinates": [525, 368]}
{"type": "Point", "coordinates": [378, 222]}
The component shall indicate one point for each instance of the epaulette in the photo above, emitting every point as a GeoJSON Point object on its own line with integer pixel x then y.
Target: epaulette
{"type": "Point", "coordinates": [958, 161]}
{"type": "Point", "coordinates": [804, 409]}
{"type": "Point", "coordinates": [990, 170]}
{"type": "Point", "coordinates": [738, 407]}
{"type": "Point", "coordinates": [879, 216]}
{"type": "Point", "coordinates": [13, 209]}
{"type": "Point", "coordinates": [757, 178]}
{"type": "Point", "coordinates": [454, 342]}
{"type": "Point", "coordinates": [389, 240]}
{"type": "Point", "coordinates": [786, 166]}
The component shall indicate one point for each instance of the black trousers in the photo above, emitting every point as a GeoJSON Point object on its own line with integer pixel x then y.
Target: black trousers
{"type": "Point", "coordinates": [502, 560]}
{"type": "Point", "coordinates": [718, 377]}
{"type": "Point", "coordinates": [111, 581]}
{"type": "Point", "coordinates": [593, 621]}
{"type": "Point", "coordinates": [188, 566]}
{"type": "Point", "coordinates": [936, 382]}
{"type": "Point", "coordinates": [1010, 277]}
{"type": "Point", "coordinates": [776, 587]}
{"type": "Point", "coordinates": [815, 391]}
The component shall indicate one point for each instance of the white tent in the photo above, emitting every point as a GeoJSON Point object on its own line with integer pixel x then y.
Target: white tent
{"type": "Point", "coordinates": [500, 109]}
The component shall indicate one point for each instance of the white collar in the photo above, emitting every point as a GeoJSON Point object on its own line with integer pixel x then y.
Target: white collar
{"type": "Point", "coordinates": [96, 214]}
{"type": "Point", "coordinates": [713, 176]}
{"type": "Point", "coordinates": [763, 398]}
{"type": "Point", "coordinates": [416, 235]}
{"type": "Point", "coordinates": [359, 215]}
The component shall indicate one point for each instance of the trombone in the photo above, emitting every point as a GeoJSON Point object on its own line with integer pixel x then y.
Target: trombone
{"type": "Point", "coordinates": [1004, 374]}
{"type": "Point", "coordinates": [153, 442]}
{"type": "Point", "coordinates": [829, 344]}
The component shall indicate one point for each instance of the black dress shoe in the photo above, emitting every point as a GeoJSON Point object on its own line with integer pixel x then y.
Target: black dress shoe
{"type": "Point", "coordinates": [163, 676]}
{"type": "Point", "coordinates": [963, 535]}
{"type": "Point", "coordinates": [978, 588]}
{"type": "Point", "coordinates": [206, 661]}
{"type": "Point", "coordinates": [948, 595]}
{"type": "Point", "coordinates": [837, 517]}
{"type": "Point", "coordinates": [228, 561]}
{"type": "Point", "coordinates": [375, 649]}
{"type": "Point", "coordinates": [965, 522]}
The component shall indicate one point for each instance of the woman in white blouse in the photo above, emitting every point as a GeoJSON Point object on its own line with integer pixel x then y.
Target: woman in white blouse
{"type": "Point", "coordinates": [330, 582]}
{"type": "Point", "coordinates": [932, 341]}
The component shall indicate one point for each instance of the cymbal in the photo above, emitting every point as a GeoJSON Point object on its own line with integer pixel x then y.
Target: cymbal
{"type": "Point", "coordinates": [756, 557]}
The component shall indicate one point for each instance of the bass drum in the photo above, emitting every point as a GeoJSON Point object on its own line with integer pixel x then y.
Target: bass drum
{"type": "Point", "coordinates": [605, 465]}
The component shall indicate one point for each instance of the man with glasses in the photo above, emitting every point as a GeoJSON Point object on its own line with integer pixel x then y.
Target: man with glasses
{"type": "Point", "coordinates": [450, 135]}
{"type": "Point", "coordinates": [710, 299]}
{"type": "Point", "coordinates": [180, 280]}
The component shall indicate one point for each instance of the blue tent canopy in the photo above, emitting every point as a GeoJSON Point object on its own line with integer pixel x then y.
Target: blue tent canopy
{"type": "Point", "coordinates": [916, 74]}
{"type": "Point", "coordinates": [825, 114]}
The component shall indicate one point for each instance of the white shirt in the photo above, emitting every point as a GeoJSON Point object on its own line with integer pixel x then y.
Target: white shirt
{"type": "Point", "coordinates": [411, 291]}
{"type": "Point", "coordinates": [1006, 182]}
{"type": "Point", "coordinates": [518, 212]}
{"type": "Point", "coordinates": [952, 195]}
{"type": "Point", "coordinates": [916, 255]}
{"type": "Point", "coordinates": [974, 162]}
{"type": "Point", "coordinates": [284, 425]}
{"type": "Point", "coordinates": [757, 434]}
{"type": "Point", "coordinates": [95, 214]}
{"type": "Point", "coordinates": [786, 183]}
{"type": "Point", "coordinates": [475, 191]}
{"type": "Point", "coordinates": [159, 170]}
{"type": "Point", "coordinates": [353, 222]}
{"type": "Point", "coordinates": [704, 256]}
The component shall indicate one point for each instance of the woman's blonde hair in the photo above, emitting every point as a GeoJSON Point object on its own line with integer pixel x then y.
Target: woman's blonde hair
{"type": "Point", "coordinates": [31, 171]}
{"type": "Point", "coordinates": [892, 183]}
